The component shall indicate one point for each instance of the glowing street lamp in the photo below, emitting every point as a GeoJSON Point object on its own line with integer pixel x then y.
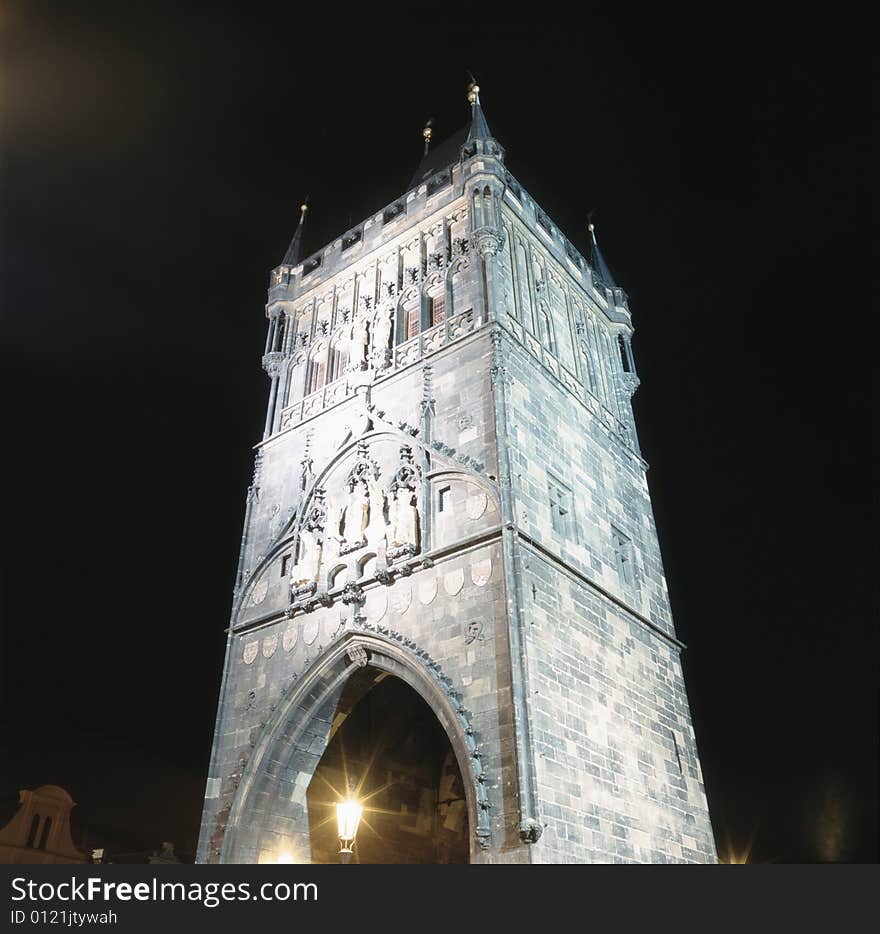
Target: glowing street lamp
{"type": "Point", "coordinates": [348, 816]}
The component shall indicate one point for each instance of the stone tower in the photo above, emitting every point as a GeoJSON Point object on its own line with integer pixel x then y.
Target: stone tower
{"type": "Point", "coordinates": [450, 595]}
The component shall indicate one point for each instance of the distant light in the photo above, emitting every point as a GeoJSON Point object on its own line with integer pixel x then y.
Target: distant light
{"type": "Point", "coordinates": [285, 859]}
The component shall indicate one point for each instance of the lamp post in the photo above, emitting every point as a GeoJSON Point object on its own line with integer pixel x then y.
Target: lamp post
{"type": "Point", "coordinates": [348, 817]}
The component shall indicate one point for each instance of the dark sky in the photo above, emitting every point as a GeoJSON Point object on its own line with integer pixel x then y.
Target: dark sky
{"type": "Point", "coordinates": [151, 170]}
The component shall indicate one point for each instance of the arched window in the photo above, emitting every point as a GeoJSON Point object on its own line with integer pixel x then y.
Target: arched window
{"type": "Point", "coordinates": [477, 208]}
{"type": "Point", "coordinates": [338, 359]}
{"type": "Point", "coordinates": [317, 374]}
{"type": "Point", "coordinates": [488, 209]}
{"type": "Point", "coordinates": [437, 308]}
{"type": "Point", "coordinates": [410, 320]}
{"type": "Point", "coordinates": [280, 330]}
{"type": "Point", "coordinates": [44, 836]}
{"type": "Point", "coordinates": [32, 835]}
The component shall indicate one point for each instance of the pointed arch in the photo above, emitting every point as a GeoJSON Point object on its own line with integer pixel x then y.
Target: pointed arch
{"type": "Point", "coordinates": [271, 794]}
{"type": "Point", "coordinates": [316, 375]}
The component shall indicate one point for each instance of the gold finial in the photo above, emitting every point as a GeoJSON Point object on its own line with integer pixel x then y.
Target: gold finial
{"type": "Point", "coordinates": [427, 132]}
{"type": "Point", "coordinates": [302, 209]}
{"type": "Point", "coordinates": [473, 93]}
{"type": "Point", "coordinates": [590, 227]}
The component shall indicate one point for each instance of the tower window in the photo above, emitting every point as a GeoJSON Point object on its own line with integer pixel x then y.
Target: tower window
{"type": "Point", "coordinates": [677, 751]}
{"type": "Point", "coordinates": [44, 836]}
{"type": "Point", "coordinates": [561, 515]}
{"type": "Point", "coordinates": [443, 498]}
{"type": "Point", "coordinates": [547, 332]}
{"type": "Point", "coordinates": [280, 328]}
{"type": "Point", "coordinates": [624, 356]}
{"type": "Point", "coordinates": [317, 375]}
{"type": "Point", "coordinates": [285, 565]}
{"type": "Point", "coordinates": [412, 323]}
{"type": "Point", "coordinates": [438, 309]}
{"type": "Point", "coordinates": [32, 834]}
{"type": "Point", "coordinates": [623, 556]}
{"type": "Point", "coordinates": [338, 360]}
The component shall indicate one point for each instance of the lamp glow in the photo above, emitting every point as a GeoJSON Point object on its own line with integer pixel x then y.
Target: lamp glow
{"type": "Point", "coordinates": [285, 858]}
{"type": "Point", "coordinates": [348, 816]}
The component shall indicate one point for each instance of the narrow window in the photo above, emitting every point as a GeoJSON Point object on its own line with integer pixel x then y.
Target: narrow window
{"type": "Point", "coordinates": [438, 309]}
{"type": "Point", "coordinates": [623, 556]}
{"type": "Point", "coordinates": [44, 836]}
{"type": "Point", "coordinates": [560, 507]}
{"type": "Point", "coordinates": [412, 323]}
{"type": "Point", "coordinates": [443, 498]}
{"type": "Point", "coordinates": [280, 328]}
{"type": "Point", "coordinates": [677, 752]}
{"type": "Point", "coordinates": [338, 360]}
{"type": "Point", "coordinates": [624, 357]}
{"type": "Point", "coordinates": [32, 836]}
{"type": "Point", "coordinates": [547, 333]}
{"type": "Point", "coordinates": [317, 375]}
{"type": "Point", "coordinates": [285, 565]}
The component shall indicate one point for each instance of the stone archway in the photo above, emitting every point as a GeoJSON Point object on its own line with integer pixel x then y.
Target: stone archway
{"type": "Point", "coordinates": [269, 817]}
{"type": "Point", "coordinates": [391, 750]}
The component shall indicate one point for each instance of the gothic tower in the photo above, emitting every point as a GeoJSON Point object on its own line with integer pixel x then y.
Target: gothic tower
{"type": "Point", "coordinates": [450, 598]}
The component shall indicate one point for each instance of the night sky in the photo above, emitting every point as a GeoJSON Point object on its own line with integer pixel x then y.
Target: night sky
{"type": "Point", "coordinates": [152, 166]}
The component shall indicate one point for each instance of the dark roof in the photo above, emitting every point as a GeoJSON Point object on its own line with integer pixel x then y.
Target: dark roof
{"type": "Point", "coordinates": [441, 156]}
{"type": "Point", "coordinates": [597, 261]}
{"type": "Point", "coordinates": [479, 127]}
{"type": "Point", "coordinates": [291, 257]}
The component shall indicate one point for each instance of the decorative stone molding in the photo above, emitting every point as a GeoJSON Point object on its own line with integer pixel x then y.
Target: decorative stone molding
{"type": "Point", "coordinates": [530, 830]}
{"type": "Point", "coordinates": [487, 240]}
{"type": "Point", "coordinates": [273, 363]}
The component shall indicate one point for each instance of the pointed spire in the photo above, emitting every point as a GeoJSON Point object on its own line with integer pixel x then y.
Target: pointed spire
{"type": "Point", "coordinates": [291, 257]}
{"type": "Point", "coordinates": [597, 261]}
{"type": "Point", "coordinates": [479, 127]}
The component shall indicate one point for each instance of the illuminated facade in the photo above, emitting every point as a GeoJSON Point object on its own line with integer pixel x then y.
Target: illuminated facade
{"type": "Point", "coordinates": [449, 526]}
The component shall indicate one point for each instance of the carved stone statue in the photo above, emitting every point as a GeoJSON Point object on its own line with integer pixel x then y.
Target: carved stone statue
{"type": "Point", "coordinates": [360, 338]}
{"type": "Point", "coordinates": [403, 520]}
{"type": "Point", "coordinates": [376, 526]}
{"type": "Point", "coordinates": [306, 569]}
{"type": "Point", "coordinates": [333, 536]}
{"type": "Point", "coordinates": [356, 514]}
{"type": "Point", "coordinates": [382, 334]}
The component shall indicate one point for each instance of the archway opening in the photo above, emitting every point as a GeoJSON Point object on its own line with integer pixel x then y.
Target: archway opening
{"type": "Point", "coordinates": [391, 749]}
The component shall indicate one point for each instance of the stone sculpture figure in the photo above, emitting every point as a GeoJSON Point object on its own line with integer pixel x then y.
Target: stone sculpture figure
{"type": "Point", "coordinates": [381, 334]}
{"type": "Point", "coordinates": [356, 514]}
{"type": "Point", "coordinates": [403, 519]}
{"type": "Point", "coordinates": [360, 338]}
{"type": "Point", "coordinates": [333, 536]}
{"type": "Point", "coordinates": [376, 526]}
{"type": "Point", "coordinates": [306, 569]}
